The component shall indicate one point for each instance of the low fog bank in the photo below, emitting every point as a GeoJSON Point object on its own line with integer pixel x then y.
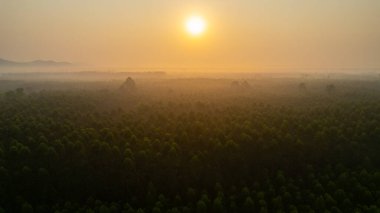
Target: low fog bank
{"type": "Point", "coordinates": [95, 74]}
{"type": "Point", "coordinates": [162, 86]}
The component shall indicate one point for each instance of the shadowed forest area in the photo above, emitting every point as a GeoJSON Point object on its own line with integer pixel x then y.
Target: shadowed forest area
{"type": "Point", "coordinates": [168, 144]}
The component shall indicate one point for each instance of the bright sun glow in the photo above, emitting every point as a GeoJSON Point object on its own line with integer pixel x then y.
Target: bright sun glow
{"type": "Point", "coordinates": [195, 25]}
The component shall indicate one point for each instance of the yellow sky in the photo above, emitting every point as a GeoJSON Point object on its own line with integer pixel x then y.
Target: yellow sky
{"type": "Point", "coordinates": [150, 33]}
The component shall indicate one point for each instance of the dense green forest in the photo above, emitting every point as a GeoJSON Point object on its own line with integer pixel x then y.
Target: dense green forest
{"type": "Point", "coordinates": [191, 146]}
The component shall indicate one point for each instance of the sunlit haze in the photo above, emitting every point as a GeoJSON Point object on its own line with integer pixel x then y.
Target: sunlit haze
{"type": "Point", "coordinates": [232, 35]}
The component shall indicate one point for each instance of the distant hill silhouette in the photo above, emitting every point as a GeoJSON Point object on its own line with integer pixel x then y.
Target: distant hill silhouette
{"type": "Point", "coordinates": [36, 63]}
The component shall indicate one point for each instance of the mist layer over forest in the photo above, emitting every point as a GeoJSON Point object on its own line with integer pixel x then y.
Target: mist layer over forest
{"type": "Point", "coordinates": [162, 142]}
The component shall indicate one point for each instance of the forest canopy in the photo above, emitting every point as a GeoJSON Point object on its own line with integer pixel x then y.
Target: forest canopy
{"type": "Point", "coordinates": [193, 145]}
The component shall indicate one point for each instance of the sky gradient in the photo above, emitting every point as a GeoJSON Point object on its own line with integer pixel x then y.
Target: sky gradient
{"type": "Point", "coordinates": [241, 34]}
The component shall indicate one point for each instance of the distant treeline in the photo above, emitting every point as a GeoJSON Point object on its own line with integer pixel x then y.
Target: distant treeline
{"type": "Point", "coordinates": [82, 75]}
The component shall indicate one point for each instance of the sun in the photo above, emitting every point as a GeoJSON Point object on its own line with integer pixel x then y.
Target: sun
{"type": "Point", "coordinates": [195, 25]}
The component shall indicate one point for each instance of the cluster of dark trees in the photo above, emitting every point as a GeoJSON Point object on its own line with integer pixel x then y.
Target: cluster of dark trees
{"type": "Point", "coordinates": [87, 151]}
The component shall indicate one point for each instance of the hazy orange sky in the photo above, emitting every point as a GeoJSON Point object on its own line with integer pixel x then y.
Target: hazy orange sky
{"type": "Point", "coordinates": [150, 33]}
